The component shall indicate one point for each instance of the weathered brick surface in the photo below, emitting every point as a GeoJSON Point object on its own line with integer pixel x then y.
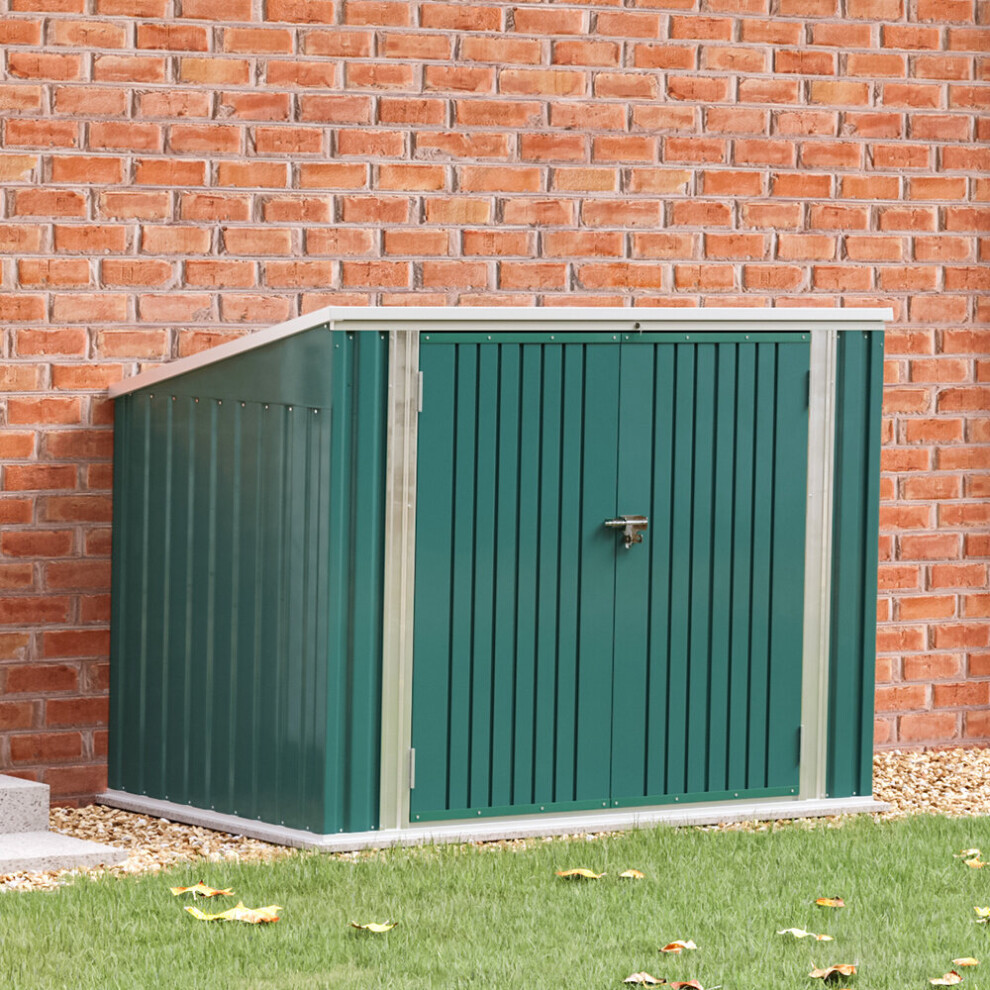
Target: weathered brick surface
{"type": "Point", "coordinates": [176, 173]}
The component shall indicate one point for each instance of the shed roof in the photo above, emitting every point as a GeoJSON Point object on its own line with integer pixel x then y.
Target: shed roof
{"type": "Point", "coordinates": [517, 318]}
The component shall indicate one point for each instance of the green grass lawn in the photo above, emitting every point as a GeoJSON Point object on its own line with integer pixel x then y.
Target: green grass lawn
{"type": "Point", "coordinates": [473, 917]}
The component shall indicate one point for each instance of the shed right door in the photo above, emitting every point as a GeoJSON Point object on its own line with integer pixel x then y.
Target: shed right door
{"type": "Point", "coordinates": [713, 433]}
{"type": "Point", "coordinates": [555, 669]}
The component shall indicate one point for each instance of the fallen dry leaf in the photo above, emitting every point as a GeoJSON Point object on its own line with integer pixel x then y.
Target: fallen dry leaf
{"type": "Point", "coordinates": [983, 914]}
{"type": "Point", "coordinates": [201, 890]}
{"type": "Point", "coordinates": [675, 948]}
{"type": "Point", "coordinates": [949, 980]}
{"type": "Point", "coordinates": [801, 933]}
{"type": "Point", "coordinates": [967, 854]}
{"type": "Point", "coordinates": [643, 980]}
{"type": "Point", "coordinates": [975, 864]}
{"type": "Point", "coordinates": [252, 916]}
{"type": "Point", "coordinates": [373, 926]}
{"type": "Point", "coordinates": [966, 961]}
{"type": "Point", "coordinates": [831, 902]}
{"type": "Point", "coordinates": [684, 984]}
{"type": "Point", "coordinates": [830, 972]}
{"type": "Point", "coordinates": [582, 872]}
{"type": "Point", "coordinates": [632, 874]}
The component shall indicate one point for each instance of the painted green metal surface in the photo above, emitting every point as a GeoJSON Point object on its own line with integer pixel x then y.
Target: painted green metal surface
{"type": "Point", "coordinates": [247, 584]}
{"type": "Point", "coordinates": [553, 668]}
{"type": "Point", "coordinates": [856, 509]}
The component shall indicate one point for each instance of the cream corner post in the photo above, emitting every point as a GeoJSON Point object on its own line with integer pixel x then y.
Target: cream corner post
{"type": "Point", "coordinates": [818, 563]}
{"type": "Point", "coordinates": [404, 398]}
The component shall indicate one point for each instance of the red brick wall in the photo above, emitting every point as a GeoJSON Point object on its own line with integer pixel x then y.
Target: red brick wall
{"type": "Point", "coordinates": [178, 171]}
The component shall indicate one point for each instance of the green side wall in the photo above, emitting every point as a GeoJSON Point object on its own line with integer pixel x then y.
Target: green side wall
{"type": "Point", "coordinates": [856, 515]}
{"type": "Point", "coordinates": [247, 584]}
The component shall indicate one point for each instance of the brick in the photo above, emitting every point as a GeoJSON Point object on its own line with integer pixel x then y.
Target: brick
{"type": "Point", "coordinates": [484, 178]}
{"type": "Point", "coordinates": [553, 147]}
{"type": "Point", "coordinates": [734, 120]}
{"type": "Point", "coordinates": [529, 212]}
{"type": "Point", "coordinates": [170, 307]}
{"type": "Point", "coordinates": [90, 238]}
{"type": "Point", "coordinates": [770, 90]}
{"type": "Point", "coordinates": [36, 65]}
{"type": "Point", "coordinates": [20, 32]}
{"type": "Point", "coordinates": [363, 75]}
{"type": "Point", "coordinates": [215, 206]}
{"type": "Point", "coordinates": [270, 106]}
{"type": "Point", "coordinates": [175, 239]}
{"type": "Point", "coordinates": [86, 169]}
{"type": "Point", "coordinates": [897, 639]}
{"type": "Point", "coordinates": [694, 149]}
{"type": "Point", "coordinates": [16, 577]}
{"type": "Point", "coordinates": [412, 46]}
{"type": "Point", "coordinates": [659, 119]}
{"type": "Point", "coordinates": [253, 308]}
{"type": "Point", "coordinates": [20, 97]}
{"type": "Point", "coordinates": [376, 274]}
{"type": "Point", "coordinates": [379, 13]}
{"type": "Point", "coordinates": [45, 747]}
{"type": "Point", "coordinates": [628, 24]}
{"type": "Point", "coordinates": [934, 546]}
{"type": "Point", "coordinates": [698, 89]}
{"type": "Point", "coordinates": [735, 246]}
{"type": "Point", "coordinates": [764, 152]}
{"type": "Point", "coordinates": [89, 101]}
{"type": "Point", "coordinates": [725, 182]}
{"type": "Point", "coordinates": [126, 136]}
{"type": "Point", "coordinates": [339, 109]}
{"type": "Point", "coordinates": [639, 275]}
{"type": "Point", "coordinates": [772, 277]}
{"type": "Point", "coordinates": [77, 711]}
{"type": "Point", "coordinates": [169, 172]}
{"type": "Point", "coordinates": [842, 278]}
{"type": "Point", "coordinates": [976, 606]}
{"type": "Point", "coordinates": [625, 85]}
{"type": "Point", "coordinates": [930, 726]}
{"type": "Point", "coordinates": [84, 780]}
{"type": "Point", "coordinates": [502, 51]}
{"type": "Point", "coordinates": [220, 274]}
{"type": "Point", "coordinates": [378, 209]}
{"type": "Point", "coordinates": [583, 243]}
{"type": "Point", "coordinates": [942, 67]}
{"type": "Point", "coordinates": [41, 677]}
{"type": "Point", "coordinates": [299, 209]}
{"type": "Point", "coordinates": [411, 177]}
{"type": "Point", "coordinates": [805, 247]}
{"type": "Point", "coordinates": [430, 144]}
{"type": "Point", "coordinates": [22, 307]}
{"type": "Point", "coordinates": [913, 607]}
{"type": "Point", "coordinates": [51, 341]}
{"type": "Point", "coordinates": [804, 62]}
{"type": "Point", "coordinates": [545, 82]}
{"type": "Point", "coordinates": [898, 699]}
{"type": "Point", "coordinates": [53, 271]}
{"type": "Point", "coordinates": [17, 715]}
{"type": "Point", "coordinates": [332, 175]}
{"type": "Point", "coordinates": [912, 95]}
{"type": "Point", "coordinates": [953, 515]}
{"type": "Point", "coordinates": [454, 274]}
{"type": "Point", "coordinates": [723, 58]}
{"type": "Point", "coordinates": [831, 154]}
{"type": "Point", "coordinates": [262, 175]}
{"type": "Point", "coordinates": [481, 113]}
{"type": "Point", "coordinates": [33, 610]}
{"type": "Point", "coordinates": [14, 168]}
{"type": "Point", "coordinates": [40, 133]}
{"type": "Point", "coordinates": [932, 667]}
{"type": "Point", "coordinates": [300, 11]}
{"type": "Point", "coordinates": [957, 576]}
{"type": "Point", "coordinates": [929, 487]}
{"type": "Point", "coordinates": [205, 137]}
{"type": "Point", "coordinates": [173, 37]}
{"type": "Point", "coordinates": [269, 41]}
{"type": "Point", "coordinates": [76, 307]}
{"type": "Point", "coordinates": [599, 53]}
{"type": "Point", "coordinates": [129, 68]}
{"type": "Point", "coordinates": [173, 103]}
{"type": "Point", "coordinates": [419, 242]}
{"type": "Point", "coordinates": [460, 17]}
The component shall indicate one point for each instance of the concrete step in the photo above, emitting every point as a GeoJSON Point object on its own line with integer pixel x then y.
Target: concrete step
{"type": "Point", "coordinates": [23, 805]}
{"type": "Point", "coordinates": [52, 851]}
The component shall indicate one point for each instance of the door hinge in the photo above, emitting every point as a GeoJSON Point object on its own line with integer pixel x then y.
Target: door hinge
{"type": "Point", "coordinates": [412, 769]}
{"type": "Point", "coordinates": [420, 374]}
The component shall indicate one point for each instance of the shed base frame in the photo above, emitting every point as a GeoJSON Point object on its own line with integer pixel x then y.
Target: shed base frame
{"type": "Point", "coordinates": [497, 828]}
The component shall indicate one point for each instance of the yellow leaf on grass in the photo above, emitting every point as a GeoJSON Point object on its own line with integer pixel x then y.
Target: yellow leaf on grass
{"type": "Point", "coordinates": [373, 926]}
{"type": "Point", "coordinates": [966, 961]}
{"type": "Point", "coordinates": [632, 874]}
{"type": "Point", "coordinates": [983, 913]}
{"type": "Point", "coordinates": [967, 853]}
{"type": "Point", "coordinates": [975, 864]}
{"type": "Point", "coordinates": [801, 933]}
{"type": "Point", "coordinates": [685, 984]}
{"type": "Point", "coordinates": [949, 980]}
{"type": "Point", "coordinates": [252, 916]}
{"type": "Point", "coordinates": [830, 972]}
{"type": "Point", "coordinates": [201, 890]}
{"type": "Point", "coordinates": [582, 872]}
{"type": "Point", "coordinates": [831, 902]}
{"type": "Point", "coordinates": [643, 979]}
{"type": "Point", "coordinates": [675, 948]}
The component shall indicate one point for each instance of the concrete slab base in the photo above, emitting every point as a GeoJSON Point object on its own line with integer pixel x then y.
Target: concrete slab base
{"type": "Point", "coordinates": [496, 828]}
{"type": "Point", "coordinates": [44, 850]}
{"type": "Point", "coordinates": [23, 805]}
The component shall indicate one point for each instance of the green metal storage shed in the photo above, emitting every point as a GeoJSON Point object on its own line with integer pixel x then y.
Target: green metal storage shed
{"type": "Point", "coordinates": [388, 574]}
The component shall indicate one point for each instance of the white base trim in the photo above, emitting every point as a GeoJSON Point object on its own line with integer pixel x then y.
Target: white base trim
{"type": "Point", "coordinates": [497, 828]}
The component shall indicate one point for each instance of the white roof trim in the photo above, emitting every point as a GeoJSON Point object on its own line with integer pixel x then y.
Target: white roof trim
{"type": "Point", "coordinates": [384, 317]}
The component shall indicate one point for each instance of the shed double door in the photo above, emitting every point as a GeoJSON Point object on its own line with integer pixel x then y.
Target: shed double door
{"type": "Point", "coordinates": [556, 669]}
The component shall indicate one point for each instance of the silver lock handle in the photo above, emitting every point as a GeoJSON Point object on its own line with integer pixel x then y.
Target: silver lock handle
{"type": "Point", "coordinates": [632, 528]}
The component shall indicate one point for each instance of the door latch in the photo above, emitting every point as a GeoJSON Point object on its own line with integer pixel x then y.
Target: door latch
{"type": "Point", "coordinates": [632, 528]}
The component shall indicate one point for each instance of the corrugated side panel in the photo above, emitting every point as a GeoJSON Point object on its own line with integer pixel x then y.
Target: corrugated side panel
{"type": "Point", "coordinates": [554, 669]}
{"type": "Point", "coordinates": [246, 628]}
{"type": "Point", "coordinates": [856, 508]}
